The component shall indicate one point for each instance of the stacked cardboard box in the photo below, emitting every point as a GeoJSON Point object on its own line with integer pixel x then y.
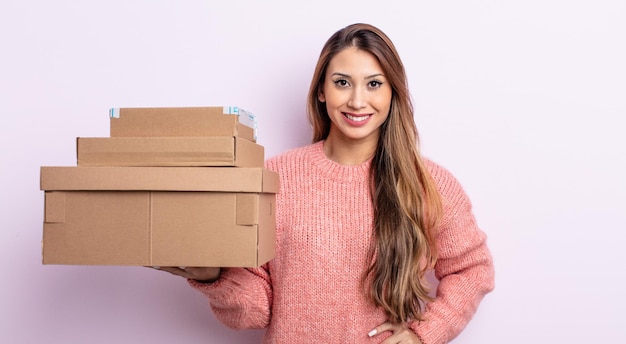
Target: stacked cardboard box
{"type": "Point", "coordinates": [169, 187]}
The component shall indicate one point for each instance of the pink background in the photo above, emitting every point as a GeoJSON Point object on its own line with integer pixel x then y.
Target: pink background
{"type": "Point", "coordinates": [522, 101]}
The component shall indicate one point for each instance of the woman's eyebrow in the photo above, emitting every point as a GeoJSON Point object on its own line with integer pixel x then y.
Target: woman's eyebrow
{"type": "Point", "coordinates": [367, 77]}
{"type": "Point", "coordinates": [341, 75]}
{"type": "Point", "coordinates": [375, 76]}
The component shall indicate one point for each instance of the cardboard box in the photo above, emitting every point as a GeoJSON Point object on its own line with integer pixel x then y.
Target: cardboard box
{"type": "Point", "coordinates": [133, 216]}
{"type": "Point", "coordinates": [169, 151]}
{"type": "Point", "coordinates": [223, 179]}
{"type": "Point", "coordinates": [183, 121]}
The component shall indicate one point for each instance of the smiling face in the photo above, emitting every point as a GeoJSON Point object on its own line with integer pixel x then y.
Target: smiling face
{"type": "Point", "coordinates": [357, 97]}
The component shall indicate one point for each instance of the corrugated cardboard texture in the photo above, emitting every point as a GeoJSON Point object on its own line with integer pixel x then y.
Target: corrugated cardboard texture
{"type": "Point", "coordinates": [267, 227]}
{"type": "Point", "coordinates": [169, 151]}
{"type": "Point", "coordinates": [173, 122]}
{"type": "Point", "coordinates": [159, 228]}
{"type": "Point", "coordinates": [54, 210]}
{"type": "Point", "coordinates": [239, 179]}
{"type": "Point", "coordinates": [103, 228]}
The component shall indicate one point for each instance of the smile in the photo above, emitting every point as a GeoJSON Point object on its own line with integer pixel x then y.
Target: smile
{"type": "Point", "coordinates": [356, 118]}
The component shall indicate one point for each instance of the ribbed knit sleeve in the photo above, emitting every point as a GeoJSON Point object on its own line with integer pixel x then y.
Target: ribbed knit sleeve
{"type": "Point", "coordinates": [464, 269]}
{"type": "Point", "coordinates": [241, 298]}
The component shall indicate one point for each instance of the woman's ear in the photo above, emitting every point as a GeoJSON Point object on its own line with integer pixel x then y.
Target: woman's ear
{"type": "Point", "coordinates": [320, 96]}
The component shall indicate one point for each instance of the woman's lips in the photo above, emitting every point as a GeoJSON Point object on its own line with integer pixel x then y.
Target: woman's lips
{"type": "Point", "coordinates": [356, 120]}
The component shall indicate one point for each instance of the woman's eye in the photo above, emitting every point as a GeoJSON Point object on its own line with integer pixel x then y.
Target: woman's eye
{"type": "Point", "coordinates": [341, 83]}
{"type": "Point", "coordinates": [375, 84]}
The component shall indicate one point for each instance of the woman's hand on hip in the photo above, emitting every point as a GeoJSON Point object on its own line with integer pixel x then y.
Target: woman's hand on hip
{"type": "Point", "coordinates": [400, 334]}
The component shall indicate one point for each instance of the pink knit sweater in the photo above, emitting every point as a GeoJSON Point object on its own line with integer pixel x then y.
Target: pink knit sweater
{"type": "Point", "coordinates": [309, 293]}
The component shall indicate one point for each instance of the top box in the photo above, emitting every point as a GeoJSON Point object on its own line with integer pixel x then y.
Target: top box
{"type": "Point", "coordinates": [183, 122]}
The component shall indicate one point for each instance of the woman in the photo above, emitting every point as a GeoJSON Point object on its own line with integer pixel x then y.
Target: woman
{"type": "Point", "coordinates": [361, 217]}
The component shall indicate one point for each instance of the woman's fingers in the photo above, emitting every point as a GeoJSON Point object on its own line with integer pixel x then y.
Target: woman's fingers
{"type": "Point", "coordinates": [174, 270]}
{"type": "Point", "coordinates": [400, 334]}
{"type": "Point", "coordinates": [381, 328]}
{"type": "Point", "coordinates": [195, 273]}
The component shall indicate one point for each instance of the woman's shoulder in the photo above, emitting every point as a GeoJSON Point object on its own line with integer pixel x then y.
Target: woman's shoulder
{"type": "Point", "coordinates": [448, 185]}
{"type": "Point", "coordinates": [436, 170]}
{"type": "Point", "coordinates": [291, 156]}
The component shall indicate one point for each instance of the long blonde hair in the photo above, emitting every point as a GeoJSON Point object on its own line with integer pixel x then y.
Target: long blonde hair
{"type": "Point", "coordinates": [406, 202]}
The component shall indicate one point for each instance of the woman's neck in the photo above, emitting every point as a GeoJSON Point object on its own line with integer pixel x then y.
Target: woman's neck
{"type": "Point", "coordinates": [349, 153]}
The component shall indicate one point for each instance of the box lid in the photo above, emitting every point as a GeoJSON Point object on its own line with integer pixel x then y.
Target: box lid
{"type": "Point", "coordinates": [224, 179]}
{"type": "Point", "coordinates": [182, 121]}
{"type": "Point", "coordinates": [168, 151]}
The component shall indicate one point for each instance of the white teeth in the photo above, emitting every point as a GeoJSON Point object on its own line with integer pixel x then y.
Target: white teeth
{"type": "Point", "coordinates": [357, 119]}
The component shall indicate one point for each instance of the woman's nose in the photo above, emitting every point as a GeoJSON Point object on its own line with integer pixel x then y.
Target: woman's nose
{"type": "Point", "coordinates": [358, 99]}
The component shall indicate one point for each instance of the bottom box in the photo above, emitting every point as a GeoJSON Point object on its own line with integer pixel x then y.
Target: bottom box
{"type": "Point", "coordinates": [158, 228]}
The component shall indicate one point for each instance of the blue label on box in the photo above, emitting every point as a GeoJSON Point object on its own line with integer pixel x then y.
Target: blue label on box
{"type": "Point", "coordinates": [114, 112]}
